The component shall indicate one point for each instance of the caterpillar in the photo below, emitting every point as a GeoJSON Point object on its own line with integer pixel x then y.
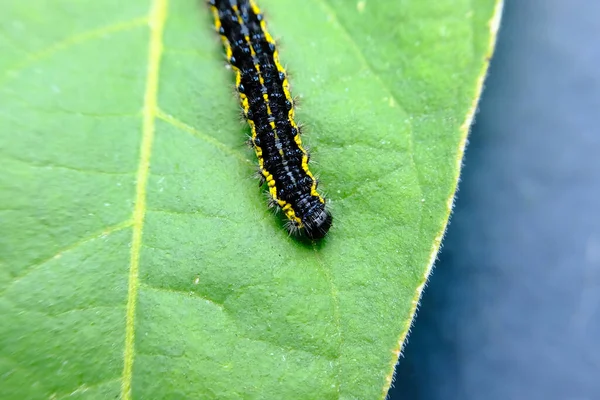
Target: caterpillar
{"type": "Point", "coordinates": [267, 104]}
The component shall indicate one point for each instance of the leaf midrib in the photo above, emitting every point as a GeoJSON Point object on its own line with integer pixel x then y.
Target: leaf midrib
{"type": "Point", "coordinates": [157, 19]}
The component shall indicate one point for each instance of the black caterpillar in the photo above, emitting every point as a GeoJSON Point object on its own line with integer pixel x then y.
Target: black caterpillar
{"type": "Point", "coordinates": [267, 104]}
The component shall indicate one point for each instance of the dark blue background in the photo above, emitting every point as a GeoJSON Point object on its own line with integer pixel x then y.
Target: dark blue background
{"type": "Point", "coordinates": [512, 310]}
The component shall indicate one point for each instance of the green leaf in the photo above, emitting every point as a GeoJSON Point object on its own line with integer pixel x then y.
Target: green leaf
{"type": "Point", "coordinates": [137, 255]}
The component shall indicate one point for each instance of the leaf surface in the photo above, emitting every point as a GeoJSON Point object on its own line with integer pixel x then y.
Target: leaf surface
{"type": "Point", "coordinates": [137, 255]}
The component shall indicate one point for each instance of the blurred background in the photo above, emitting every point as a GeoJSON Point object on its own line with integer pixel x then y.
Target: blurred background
{"type": "Point", "coordinates": [512, 310]}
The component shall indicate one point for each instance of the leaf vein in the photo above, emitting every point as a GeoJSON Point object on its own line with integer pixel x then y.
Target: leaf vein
{"type": "Point", "coordinates": [158, 16]}
{"type": "Point", "coordinates": [97, 235]}
{"type": "Point", "coordinates": [84, 388]}
{"type": "Point", "coordinates": [71, 41]}
{"type": "Point", "coordinates": [171, 120]}
{"type": "Point", "coordinates": [52, 165]}
{"type": "Point", "coordinates": [336, 315]}
{"type": "Point", "coordinates": [189, 293]}
{"type": "Point", "coordinates": [365, 62]}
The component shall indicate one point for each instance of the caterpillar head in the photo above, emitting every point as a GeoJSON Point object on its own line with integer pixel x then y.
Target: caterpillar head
{"type": "Point", "coordinates": [317, 223]}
